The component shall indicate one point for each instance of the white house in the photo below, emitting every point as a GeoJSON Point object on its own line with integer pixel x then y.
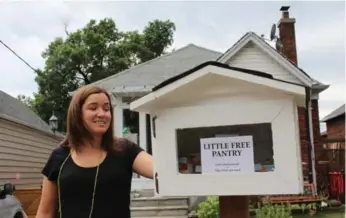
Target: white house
{"type": "Point", "coordinates": [250, 52]}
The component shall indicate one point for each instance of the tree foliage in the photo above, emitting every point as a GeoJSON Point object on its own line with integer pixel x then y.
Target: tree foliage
{"type": "Point", "coordinates": [27, 100]}
{"type": "Point", "coordinates": [96, 51]}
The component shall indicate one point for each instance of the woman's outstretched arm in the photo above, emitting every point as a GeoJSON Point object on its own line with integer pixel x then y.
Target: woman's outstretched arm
{"type": "Point", "coordinates": [143, 165]}
{"type": "Point", "coordinates": [47, 206]}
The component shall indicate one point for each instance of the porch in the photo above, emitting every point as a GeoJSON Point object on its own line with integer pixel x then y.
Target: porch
{"type": "Point", "coordinates": [134, 126]}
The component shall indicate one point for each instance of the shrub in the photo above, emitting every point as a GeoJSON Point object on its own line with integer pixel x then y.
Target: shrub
{"type": "Point", "coordinates": [209, 208]}
{"type": "Point", "coordinates": [268, 210]}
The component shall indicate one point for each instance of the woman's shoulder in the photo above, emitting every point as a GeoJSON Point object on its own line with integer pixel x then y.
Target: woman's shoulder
{"type": "Point", "coordinates": [129, 148]}
{"type": "Point", "coordinates": [124, 143]}
{"type": "Point", "coordinates": [60, 152]}
{"type": "Point", "coordinates": [123, 140]}
{"type": "Point", "coordinates": [57, 156]}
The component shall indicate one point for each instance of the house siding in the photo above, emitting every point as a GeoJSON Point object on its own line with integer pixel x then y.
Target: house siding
{"type": "Point", "coordinates": [251, 57]}
{"type": "Point", "coordinates": [23, 152]}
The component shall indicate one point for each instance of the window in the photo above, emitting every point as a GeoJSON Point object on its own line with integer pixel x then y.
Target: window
{"type": "Point", "coordinates": [189, 146]}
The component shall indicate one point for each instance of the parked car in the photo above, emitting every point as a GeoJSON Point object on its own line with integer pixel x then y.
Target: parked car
{"type": "Point", "coordinates": [10, 207]}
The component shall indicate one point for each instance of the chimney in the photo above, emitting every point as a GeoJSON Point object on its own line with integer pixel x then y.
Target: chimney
{"type": "Point", "coordinates": [287, 35]}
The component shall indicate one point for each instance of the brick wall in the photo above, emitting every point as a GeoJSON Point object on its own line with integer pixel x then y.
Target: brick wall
{"type": "Point", "coordinates": [320, 169]}
{"type": "Point", "coordinates": [336, 128]}
{"type": "Point", "coordinates": [316, 130]}
{"type": "Point", "coordinates": [304, 135]}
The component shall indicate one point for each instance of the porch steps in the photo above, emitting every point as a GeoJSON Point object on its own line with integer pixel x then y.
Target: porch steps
{"type": "Point", "coordinates": [146, 205]}
{"type": "Point", "coordinates": [158, 201]}
{"type": "Point", "coordinates": [161, 211]}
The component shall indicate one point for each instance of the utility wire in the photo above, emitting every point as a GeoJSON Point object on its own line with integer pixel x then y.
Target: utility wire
{"type": "Point", "coordinates": [18, 56]}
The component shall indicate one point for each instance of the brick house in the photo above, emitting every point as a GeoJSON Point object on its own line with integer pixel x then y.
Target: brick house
{"type": "Point", "coordinates": [334, 151]}
{"type": "Point", "coordinates": [334, 139]}
{"type": "Point", "coordinates": [335, 122]}
{"type": "Point", "coordinates": [250, 51]}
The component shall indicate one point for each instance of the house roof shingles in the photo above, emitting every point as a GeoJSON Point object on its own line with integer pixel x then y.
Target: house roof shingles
{"type": "Point", "coordinates": [15, 110]}
{"type": "Point", "coordinates": [334, 114]}
{"type": "Point", "coordinates": [147, 75]}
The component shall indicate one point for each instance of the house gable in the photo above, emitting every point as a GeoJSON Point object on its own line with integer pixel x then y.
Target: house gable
{"type": "Point", "coordinates": [216, 79]}
{"type": "Point", "coordinates": [252, 52]}
{"type": "Point", "coordinates": [251, 57]}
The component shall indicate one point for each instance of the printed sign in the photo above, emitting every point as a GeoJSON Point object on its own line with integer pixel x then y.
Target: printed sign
{"type": "Point", "coordinates": [227, 154]}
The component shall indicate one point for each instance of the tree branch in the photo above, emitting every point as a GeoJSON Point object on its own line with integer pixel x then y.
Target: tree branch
{"type": "Point", "coordinates": [85, 77]}
{"type": "Point", "coordinates": [65, 28]}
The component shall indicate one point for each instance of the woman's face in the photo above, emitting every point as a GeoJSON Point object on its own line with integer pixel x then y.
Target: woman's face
{"type": "Point", "coordinates": [96, 114]}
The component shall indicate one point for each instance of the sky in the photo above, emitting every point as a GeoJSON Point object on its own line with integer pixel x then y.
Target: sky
{"type": "Point", "coordinates": [28, 27]}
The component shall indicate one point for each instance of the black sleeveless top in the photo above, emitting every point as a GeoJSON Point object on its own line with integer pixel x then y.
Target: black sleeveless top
{"type": "Point", "coordinates": [112, 196]}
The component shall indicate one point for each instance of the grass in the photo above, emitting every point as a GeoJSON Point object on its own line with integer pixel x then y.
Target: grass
{"type": "Point", "coordinates": [329, 213]}
{"type": "Point", "coordinates": [323, 215]}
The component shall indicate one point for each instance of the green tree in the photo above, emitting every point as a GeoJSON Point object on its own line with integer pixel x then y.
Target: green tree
{"type": "Point", "coordinates": [27, 100]}
{"type": "Point", "coordinates": [96, 51]}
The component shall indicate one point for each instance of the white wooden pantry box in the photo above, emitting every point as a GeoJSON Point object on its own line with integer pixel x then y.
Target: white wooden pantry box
{"type": "Point", "coordinates": [218, 130]}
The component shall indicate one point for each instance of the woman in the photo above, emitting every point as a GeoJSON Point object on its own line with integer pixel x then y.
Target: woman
{"type": "Point", "coordinates": [90, 173]}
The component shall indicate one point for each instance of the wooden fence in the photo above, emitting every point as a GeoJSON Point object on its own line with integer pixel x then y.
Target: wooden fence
{"type": "Point", "coordinates": [30, 199]}
{"type": "Point", "coordinates": [333, 162]}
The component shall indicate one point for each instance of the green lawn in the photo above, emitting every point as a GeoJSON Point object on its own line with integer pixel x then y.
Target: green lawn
{"type": "Point", "coordinates": [326, 214]}
{"type": "Point", "coordinates": [323, 215]}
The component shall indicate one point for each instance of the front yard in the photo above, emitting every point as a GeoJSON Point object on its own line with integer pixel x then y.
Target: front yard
{"type": "Point", "coordinates": [328, 213]}
{"type": "Point", "coordinates": [210, 209]}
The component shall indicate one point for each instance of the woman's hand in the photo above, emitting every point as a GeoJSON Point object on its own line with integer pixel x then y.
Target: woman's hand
{"type": "Point", "coordinates": [143, 165]}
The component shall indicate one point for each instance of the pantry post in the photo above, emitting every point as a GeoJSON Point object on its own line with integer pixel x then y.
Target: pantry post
{"type": "Point", "coordinates": [234, 206]}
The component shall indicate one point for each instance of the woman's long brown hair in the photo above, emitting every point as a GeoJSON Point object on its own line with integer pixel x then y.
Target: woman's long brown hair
{"type": "Point", "coordinates": [77, 133]}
